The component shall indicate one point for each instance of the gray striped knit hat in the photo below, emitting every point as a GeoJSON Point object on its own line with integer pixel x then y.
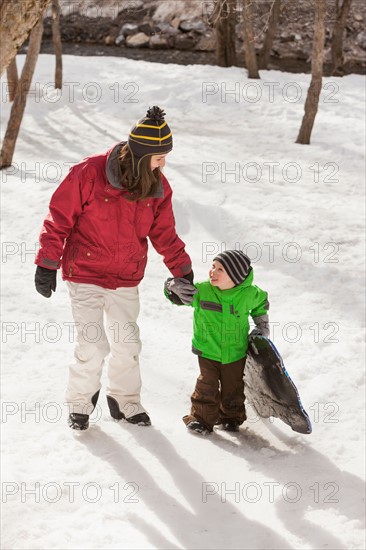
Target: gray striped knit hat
{"type": "Point", "coordinates": [236, 264]}
{"type": "Point", "coordinates": [150, 136]}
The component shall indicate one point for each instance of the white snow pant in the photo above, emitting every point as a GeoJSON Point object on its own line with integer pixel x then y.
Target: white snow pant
{"type": "Point", "coordinates": [121, 308]}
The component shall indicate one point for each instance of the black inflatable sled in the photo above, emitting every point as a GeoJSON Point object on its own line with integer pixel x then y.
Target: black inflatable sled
{"type": "Point", "coordinates": [269, 388]}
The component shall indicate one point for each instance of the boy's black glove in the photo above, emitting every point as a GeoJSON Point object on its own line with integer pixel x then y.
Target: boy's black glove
{"type": "Point", "coordinates": [261, 326]}
{"type": "Point", "coordinates": [45, 280]}
{"type": "Point", "coordinates": [180, 291]}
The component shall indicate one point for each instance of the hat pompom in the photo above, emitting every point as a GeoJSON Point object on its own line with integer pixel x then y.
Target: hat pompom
{"type": "Point", "coordinates": [156, 114]}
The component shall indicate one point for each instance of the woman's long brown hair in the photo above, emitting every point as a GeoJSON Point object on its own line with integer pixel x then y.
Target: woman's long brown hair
{"type": "Point", "coordinates": [148, 181]}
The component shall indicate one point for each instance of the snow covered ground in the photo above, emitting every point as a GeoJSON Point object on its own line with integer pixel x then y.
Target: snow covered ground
{"type": "Point", "coordinates": [239, 180]}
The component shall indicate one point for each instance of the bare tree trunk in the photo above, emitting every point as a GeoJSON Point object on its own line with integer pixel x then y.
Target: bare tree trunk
{"type": "Point", "coordinates": [250, 57]}
{"type": "Point", "coordinates": [57, 46]}
{"type": "Point", "coordinates": [17, 19]}
{"type": "Point", "coordinates": [12, 77]}
{"type": "Point", "coordinates": [270, 34]}
{"type": "Point", "coordinates": [18, 107]}
{"type": "Point", "coordinates": [224, 23]}
{"type": "Point", "coordinates": [337, 37]}
{"type": "Point", "coordinates": [312, 99]}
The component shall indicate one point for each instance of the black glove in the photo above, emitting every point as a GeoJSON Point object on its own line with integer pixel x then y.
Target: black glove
{"type": "Point", "coordinates": [45, 280]}
{"type": "Point", "coordinates": [189, 277]}
{"type": "Point", "coordinates": [180, 288]}
{"type": "Point", "coordinates": [261, 326]}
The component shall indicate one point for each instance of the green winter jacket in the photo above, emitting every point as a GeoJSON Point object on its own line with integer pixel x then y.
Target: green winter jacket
{"type": "Point", "coordinates": [221, 319]}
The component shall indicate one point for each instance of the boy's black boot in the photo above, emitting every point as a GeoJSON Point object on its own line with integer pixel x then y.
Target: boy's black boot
{"type": "Point", "coordinates": [197, 427]}
{"type": "Point", "coordinates": [78, 421]}
{"type": "Point", "coordinates": [230, 426]}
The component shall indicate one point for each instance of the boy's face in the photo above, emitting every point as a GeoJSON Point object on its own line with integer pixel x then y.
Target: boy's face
{"type": "Point", "coordinates": [219, 277]}
{"type": "Point", "coordinates": [158, 161]}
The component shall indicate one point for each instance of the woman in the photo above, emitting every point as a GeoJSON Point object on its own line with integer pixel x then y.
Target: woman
{"type": "Point", "coordinates": [96, 231]}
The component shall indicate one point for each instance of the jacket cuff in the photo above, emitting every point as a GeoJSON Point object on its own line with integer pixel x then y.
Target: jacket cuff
{"type": "Point", "coordinates": [260, 319]}
{"type": "Point", "coordinates": [46, 262]}
{"type": "Point", "coordinates": [183, 271]}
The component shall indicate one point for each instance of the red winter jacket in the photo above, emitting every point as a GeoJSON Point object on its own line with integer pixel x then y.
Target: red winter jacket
{"type": "Point", "coordinates": [98, 236]}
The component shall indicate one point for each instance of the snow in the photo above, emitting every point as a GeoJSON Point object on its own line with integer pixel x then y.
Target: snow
{"type": "Point", "coordinates": [298, 211]}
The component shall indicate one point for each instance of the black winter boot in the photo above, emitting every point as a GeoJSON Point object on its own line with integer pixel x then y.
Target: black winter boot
{"type": "Point", "coordinates": [141, 419]}
{"type": "Point", "coordinates": [196, 427]}
{"type": "Point", "coordinates": [230, 426]}
{"type": "Point", "coordinates": [78, 421]}
{"type": "Point", "coordinates": [114, 408]}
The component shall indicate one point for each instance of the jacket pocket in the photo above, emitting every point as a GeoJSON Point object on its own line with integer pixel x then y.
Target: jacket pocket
{"type": "Point", "coordinates": [144, 219]}
{"type": "Point", "coordinates": [83, 259]}
{"type": "Point", "coordinates": [105, 207]}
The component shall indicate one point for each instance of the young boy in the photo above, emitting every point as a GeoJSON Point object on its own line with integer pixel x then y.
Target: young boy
{"type": "Point", "coordinates": [220, 338]}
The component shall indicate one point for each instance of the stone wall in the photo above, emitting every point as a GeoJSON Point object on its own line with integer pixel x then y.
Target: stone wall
{"type": "Point", "coordinates": [184, 25]}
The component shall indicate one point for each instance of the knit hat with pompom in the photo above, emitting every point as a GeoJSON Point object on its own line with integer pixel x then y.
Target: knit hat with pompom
{"type": "Point", "coordinates": [150, 136]}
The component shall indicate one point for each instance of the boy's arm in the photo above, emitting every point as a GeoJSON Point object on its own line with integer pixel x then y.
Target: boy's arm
{"type": "Point", "coordinates": [259, 314]}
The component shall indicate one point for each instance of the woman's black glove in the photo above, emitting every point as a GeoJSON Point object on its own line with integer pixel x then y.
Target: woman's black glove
{"type": "Point", "coordinates": [189, 276]}
{"type": "Point", "coordinates": [45, 280]}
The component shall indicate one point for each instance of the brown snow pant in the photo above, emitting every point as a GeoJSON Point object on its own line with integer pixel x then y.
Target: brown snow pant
{"type": "Point", "coordinates": [219, 393]}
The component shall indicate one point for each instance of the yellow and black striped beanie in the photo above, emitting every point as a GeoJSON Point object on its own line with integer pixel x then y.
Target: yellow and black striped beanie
{"type": "Point", "coordinates": [150, 136]}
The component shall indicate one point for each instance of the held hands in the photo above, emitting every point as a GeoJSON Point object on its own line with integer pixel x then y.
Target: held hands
{"type": "Point", "coordinates": [180, 288]}
{"type": "Point", "coordinates": [45, 281]}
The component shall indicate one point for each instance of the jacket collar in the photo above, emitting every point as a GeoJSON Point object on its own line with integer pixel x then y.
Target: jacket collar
{"type": "Point", "coordinates": [236, 289]}
{"type": "Point", "coordinates": [113, 171]}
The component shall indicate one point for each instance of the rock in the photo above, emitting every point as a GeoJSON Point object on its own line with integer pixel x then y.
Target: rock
{"type": "Point", "coordinates": [129, 28]}
{"type": "Point", "coordinates": [109, 40]}
{"type": "Point", "coordinates": [358, 17]}
{"type": "Point", "coordinates": [185, 42]}
{"type": "Point", "coordinates": [308, 51]}
{"type": "Point", "coordinates": [120, 40]}
{"type": "Point", "coordinates": [147, 29]}
{"type": "Point", "coordinates": [206, 43]}
{"type": "Point", "coordinates": [361, 39]}
{"type": "Point", "coordinates": [301, 54]}
{"type": "Point", "coordinates": [128, 6]}
{"type": "Point", "coordinates": [166, 28]}
{"type": "Point", "coordinates": [139, 40]}
{"type": "Point", "coordinates": [285, 37]}
{"type": "Point", "coordinates": [175, 22]}
{"type": "Point", "coordinates": [328, 55]}
{"type": "Point", "coordinates": [160, 42]}
{"type": "Point", "coordinates": [196, 25]}
{"type": "Point", "coordinates": [290, 53]}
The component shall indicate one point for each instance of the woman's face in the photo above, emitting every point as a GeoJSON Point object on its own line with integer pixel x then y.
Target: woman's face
{"type": "Point", "coordinates": [158, 161]}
